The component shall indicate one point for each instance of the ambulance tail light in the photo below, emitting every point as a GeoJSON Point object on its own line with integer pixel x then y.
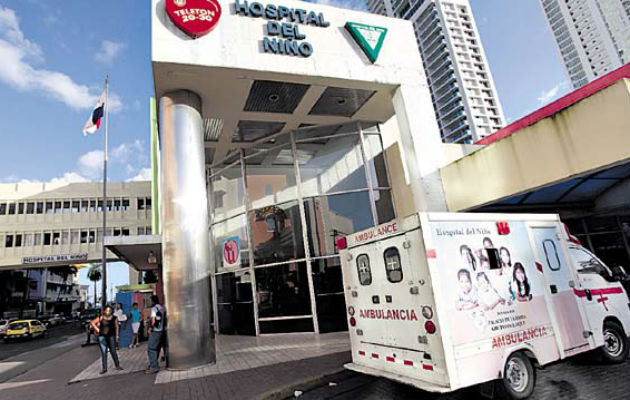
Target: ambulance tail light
{"type": "Point", "coordinates": [430, 327]}
{"type": "Point", "coordinates": [353, 322]}
{"type": "Point", "coordinates": [342, 243]}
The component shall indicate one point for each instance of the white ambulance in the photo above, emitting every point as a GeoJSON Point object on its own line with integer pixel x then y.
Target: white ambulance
{"type": "Point", "coordinates": [443, 301]}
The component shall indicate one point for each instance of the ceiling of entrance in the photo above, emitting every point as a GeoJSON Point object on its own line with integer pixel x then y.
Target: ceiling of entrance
{"type": "Point", "coordinates": [242, 108]}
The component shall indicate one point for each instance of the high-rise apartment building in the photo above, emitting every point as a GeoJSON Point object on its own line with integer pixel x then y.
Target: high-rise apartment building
{"type": "Point", "coordinates": [593, 36]}
{"type": "Point", "coordinates": [464, 96]}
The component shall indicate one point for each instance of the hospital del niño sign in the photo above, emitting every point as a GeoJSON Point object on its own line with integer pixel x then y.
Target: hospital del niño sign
{"type": "Point", "coordinates": [283, 32]}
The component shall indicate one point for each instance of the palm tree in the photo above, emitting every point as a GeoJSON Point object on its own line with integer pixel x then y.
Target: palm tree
{"type": "Point", "coordinates": [94, 274]}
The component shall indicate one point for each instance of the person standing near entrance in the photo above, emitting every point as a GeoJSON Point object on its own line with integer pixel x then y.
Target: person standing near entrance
{"type": "Point", "coordinates": [135, 325]}
{"type": "Point", "coordinates": [106, 327]}
{"type": "Point", "coordinates": [156, 331]}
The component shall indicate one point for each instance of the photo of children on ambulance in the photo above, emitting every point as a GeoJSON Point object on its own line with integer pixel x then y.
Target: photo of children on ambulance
{"type": "Point", "coordinates": [467, 295]}
{"type": "Point", "coordinates": [489, 298]}
{"type": "Point", "coordinates": [480, 284]}
{"type": "Point", "coordinates": [521, 284]}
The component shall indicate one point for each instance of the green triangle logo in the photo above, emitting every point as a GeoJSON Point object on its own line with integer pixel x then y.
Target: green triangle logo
{"type": "Point", "coordinates": [369, 38]}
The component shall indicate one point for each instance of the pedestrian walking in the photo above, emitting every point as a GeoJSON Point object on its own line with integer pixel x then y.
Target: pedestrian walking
{"type": "Point", "coordinates": [135, 325]}
{"type": "Point", "coordinates": [156, 330]}
{"type": "Point", "coordinates": [106, 327]}
{"type": "Point", "coordinates": [121, 317]}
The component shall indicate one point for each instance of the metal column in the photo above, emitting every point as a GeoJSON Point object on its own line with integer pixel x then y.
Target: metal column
{"type": "Point", "coordinates": [185, 235]}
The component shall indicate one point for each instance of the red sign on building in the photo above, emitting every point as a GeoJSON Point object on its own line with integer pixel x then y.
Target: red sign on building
{"type": "Point", "coordinates": [196, 18]}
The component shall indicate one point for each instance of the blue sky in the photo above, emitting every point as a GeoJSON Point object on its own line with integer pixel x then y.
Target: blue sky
{"type": "Point", "coordinates": [55, 55]}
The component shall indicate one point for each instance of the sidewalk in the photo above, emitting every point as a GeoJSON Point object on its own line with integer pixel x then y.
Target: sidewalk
{"type": "Point", "coordinates": [247, 368]}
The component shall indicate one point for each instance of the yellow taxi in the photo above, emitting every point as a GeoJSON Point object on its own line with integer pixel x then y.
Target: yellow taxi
{"type": "Point", "coordinates": [28, 328]}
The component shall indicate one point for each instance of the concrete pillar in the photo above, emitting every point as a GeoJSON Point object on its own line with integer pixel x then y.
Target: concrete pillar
{"type": "Point", "coordinates": [185, 240]}
{"type": "Point", "coordinates": [422, 146]}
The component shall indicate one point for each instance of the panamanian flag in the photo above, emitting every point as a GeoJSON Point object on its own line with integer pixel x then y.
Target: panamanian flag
{"type": "Point", "coordinates": [94, 122]}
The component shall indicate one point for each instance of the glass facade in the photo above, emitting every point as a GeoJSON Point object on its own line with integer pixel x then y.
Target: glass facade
{"type": "Point", "coordinates": [277, 208]}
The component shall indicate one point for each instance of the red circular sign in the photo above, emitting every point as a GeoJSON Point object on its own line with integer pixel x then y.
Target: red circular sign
{"type": "Point", "coordinates": [230, 251]}
{"type": "Point", "coordinates": [194, 17]}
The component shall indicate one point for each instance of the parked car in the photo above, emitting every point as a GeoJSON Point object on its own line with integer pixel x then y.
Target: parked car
{"type": "Point", "coordinates": [23, 329]}
{"type": "Point", "coordinates": [3, 326]}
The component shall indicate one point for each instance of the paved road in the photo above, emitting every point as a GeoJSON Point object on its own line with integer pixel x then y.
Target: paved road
{"type": "Point", "coordinates": [19, 357]}
{"type": "Point", "coordinates": [580, 378]}
{"type": "Point", "coordinates": [56, 334]}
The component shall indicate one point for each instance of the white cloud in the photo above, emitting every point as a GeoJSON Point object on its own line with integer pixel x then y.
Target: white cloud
{"type": "Point", "coordinates": [547, 96]}
{"type": "Point", "coordinates": [10, 30]}
{"type": "Point", "coordinates": [143, 175]}
{"type": "Point", "coordinates": [90, 164]}
{"type": "Point", "coordinates": [70, 177]}
{"type": "Point", "coordinates": [131, 156]}
{"type": "Point", "coordinates": [18, 53]}
{"type": "Point", "coordinates": [109, 51]}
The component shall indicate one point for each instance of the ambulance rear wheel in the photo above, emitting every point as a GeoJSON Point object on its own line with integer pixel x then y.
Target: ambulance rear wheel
{"type": "Point", "coordinates": [519, 378]}
{"type": "Point", "coordinates": [615, 348]}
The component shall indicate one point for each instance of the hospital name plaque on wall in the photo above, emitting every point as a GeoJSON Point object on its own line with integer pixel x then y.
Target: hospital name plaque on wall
{"type": "Point", "coordinates": [283, 33]}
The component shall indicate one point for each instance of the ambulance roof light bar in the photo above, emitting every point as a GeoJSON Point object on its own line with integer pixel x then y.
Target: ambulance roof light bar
{"type": "Point", "coordinates": [342, 243]}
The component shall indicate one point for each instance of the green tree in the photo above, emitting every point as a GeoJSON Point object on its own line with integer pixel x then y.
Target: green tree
{"type": "Point", "coordinates": [94, 274]}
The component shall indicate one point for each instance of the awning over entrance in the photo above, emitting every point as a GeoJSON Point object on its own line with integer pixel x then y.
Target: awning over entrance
{"type": "Point", "coordinates": [569, 151]}
{"type": "Point", "coordinates": [141, 252]}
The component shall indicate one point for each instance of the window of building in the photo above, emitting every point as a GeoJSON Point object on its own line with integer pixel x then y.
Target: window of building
{"type": "Point", "coordinates": [117, 205]}
{"type": "Point", "coordinates": [65, 237]}
{"type": "Point", "coordinates": [8, 241]}
{"type": "Point", "coordinates": [124, 231]}
{"type": "Point", "coordinates": [117, 231]}
{"type": "Point", "coordinates": [56, 238]}
{"type": "Point", "coordinates": [148, 203]}
{"type": "Point", "coordinates": [39, 209]}
{"type": "Point", "coordinates": [393, 268]}
{"type": "Point", "coordinates": [141, 230]}
{"type": "Point", "coordinates": [84, 206]}
{"type": "Point", "coordinates": [91, 236]}
{"type": "Point", "coordinates": [47, 238]}
{"type": "Point", "coordinates": [125, 204]}
{"type": "Point", "coordinates": [58, 207]}
{"type": "Point", "coordinates": [363, 269]}
{"type": "Point", "coordinates": [74, 237]}
{"type": "Point", "coordinates": [28, 239]}
{"type": "Point", "coordinates": [11, 208]}
{"type": "Point", "coordinates": [92, 205]}
{"type": "Point", "coordinates": [20, 208]}
{"type": "Point", "coordinates": [140, 204]}
{"type": "Point", "coordinates": [99, 206]}
{"type": "Point", "coordinates": [110, 205]}
{"type": "Point", "coordinates": [49, 207]}
{"type": "Point", "coordinates": [148, 230]}
{"type": "Point", "coordinates": [76, 205]}
{"type": "Point", "coordinates": [3, 208]}
{"type": "Point", "coordinates": [30, 208]}
{"type": "Point", "coordinates": [18, 240]}
{"type": "Point", "coordinates": [37, 239]}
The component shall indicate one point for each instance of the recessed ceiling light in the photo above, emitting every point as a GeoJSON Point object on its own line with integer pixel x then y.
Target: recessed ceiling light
{"type": "Point", "coordinates": [341, 100]}
{"type": "Point", "coordinates": [274, 97]}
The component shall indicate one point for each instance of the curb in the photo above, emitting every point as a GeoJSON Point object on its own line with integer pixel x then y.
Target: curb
{"type": "Point", "coordinates": [304, 385]}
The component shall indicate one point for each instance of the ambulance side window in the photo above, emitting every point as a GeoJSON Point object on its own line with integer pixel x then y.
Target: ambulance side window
{"type": "Point", "coordinates": [363, 268]}
{"type": "Point", "coordinates": [392, 265]}
{"type": "Point", "coordinates": [551, 254]}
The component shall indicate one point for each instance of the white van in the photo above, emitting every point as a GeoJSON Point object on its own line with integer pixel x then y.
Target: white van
{"type": "Point", "coordinates": [443, 301]}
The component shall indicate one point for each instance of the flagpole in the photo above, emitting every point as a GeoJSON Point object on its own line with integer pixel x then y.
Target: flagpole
{"type": "Point", "coordinates": [104, 256]}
